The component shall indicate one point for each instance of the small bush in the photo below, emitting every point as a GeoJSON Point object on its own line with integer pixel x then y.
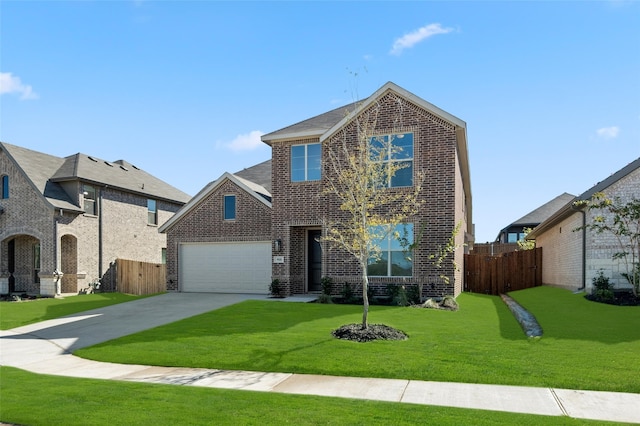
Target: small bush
{"type": "Point", "coordinates": [348, 294]}
{"type": "Point", "coordinates": [276, 289]}
{"type": "Point", "coordinates": [603, 290]}
{"type": "Point", "coordinates": [398, 295]}
{"type": "Point", "coordinates": [327, 285]}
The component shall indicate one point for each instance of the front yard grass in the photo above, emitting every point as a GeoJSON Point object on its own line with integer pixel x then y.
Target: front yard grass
{"type": "Point", "coordinates": [586, 345]}
{"type": "Point", "coordinates": [35, 399]}
{"type": "Point", "coordinates": [16, 314]}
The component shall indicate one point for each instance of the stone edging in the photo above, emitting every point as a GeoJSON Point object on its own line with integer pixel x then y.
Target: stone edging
{"type": "Point", "coordinates": [526, 319]}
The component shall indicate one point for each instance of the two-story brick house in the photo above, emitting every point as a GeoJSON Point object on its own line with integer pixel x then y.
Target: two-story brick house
{"type": "Point", "coordinates": [282, 238]}
{"type": "Point", "coordinates": [64, 221]}
{"type": "Point", "coordinates": [434, 143]}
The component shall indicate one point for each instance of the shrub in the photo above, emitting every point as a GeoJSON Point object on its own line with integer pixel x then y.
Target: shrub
{"type": "Point", "coordinates": [398, 295]}
{"type": "Point", "coordinates": [348, 293]}
{"type": "Point", "coordinates": [603, 290]}
{"type": "Point", "coordinates": [276, 289]}
{"type": "Point", "coordinates": [327, 285]}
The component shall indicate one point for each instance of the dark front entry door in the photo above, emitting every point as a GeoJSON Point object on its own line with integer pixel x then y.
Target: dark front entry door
{"type": "Point", "coordinates": [314, 260]}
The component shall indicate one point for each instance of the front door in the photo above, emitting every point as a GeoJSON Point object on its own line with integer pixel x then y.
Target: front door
{"type": "Point", "coordinates": [314, 260]}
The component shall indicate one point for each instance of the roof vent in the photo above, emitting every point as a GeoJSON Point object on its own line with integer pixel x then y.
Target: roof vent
{"type": "Point", "coordinates": [135, 167]}
{"type": "Point", "coordinates": [93, 159]}
{"type": "Point", "coordinates": [108, 164]}
{"type": "Point", "coordinates": [124, 168]}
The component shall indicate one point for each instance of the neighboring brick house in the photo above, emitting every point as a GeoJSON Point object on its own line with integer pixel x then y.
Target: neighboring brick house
{"type": "Point", "coordinates": [221, 240]}
{"type": "Point", "coordinates": [75, 216]}
{"type": "Point", "coordinates": [434, 142]}
{"type": "Point", "coordinates": [572, 258]}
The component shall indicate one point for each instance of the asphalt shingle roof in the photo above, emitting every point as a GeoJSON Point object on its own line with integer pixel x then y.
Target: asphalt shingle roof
{"type": "Point", "coordinates": [46, 172]}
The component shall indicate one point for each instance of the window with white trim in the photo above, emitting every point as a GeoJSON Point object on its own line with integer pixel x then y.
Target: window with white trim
{"type": "Point", "coordinates": [395, 149]}
{"type": "Point", "coordinates": [89, 193]}
{"type": "Point", "coordinates": [152, 212]}
{"type": "Point", "coordinates": [5, 187]}
{"type": "Point", "coordinates": [392, 257]}
{"type": "Point", "coordinates": [229, 207]}
{"type": "Point", "coordinates": [306, 162]}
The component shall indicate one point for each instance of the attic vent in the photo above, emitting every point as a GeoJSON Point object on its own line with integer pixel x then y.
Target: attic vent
{"type": "Point", "coordinates": [124, 168]}
{"type": "Point", "coordinates": [108, 164]}
{"type": "Point", "coordinates": [135, 167]}
{"type": "Point", "coordinates": [93, 159]}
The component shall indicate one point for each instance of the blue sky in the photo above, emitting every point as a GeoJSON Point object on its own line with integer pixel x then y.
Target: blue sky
{"type": "Point", "coordinates": [550, 91]}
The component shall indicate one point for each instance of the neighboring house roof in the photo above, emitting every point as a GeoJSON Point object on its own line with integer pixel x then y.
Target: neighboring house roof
{"type": "Point", "coordinates": [260, 174]}
{"type": "Point", "coordinates": [46, 172]}
{"type": "Point", "coordinates": [568, 209]}
{"type": "Point", "coordinates": [255, 190]}
{"type": "Point", "coordinates": [542, 213]}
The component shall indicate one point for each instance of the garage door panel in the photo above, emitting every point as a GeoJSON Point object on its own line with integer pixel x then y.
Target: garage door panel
{"type": "Point", "coordinates": [225, 267]}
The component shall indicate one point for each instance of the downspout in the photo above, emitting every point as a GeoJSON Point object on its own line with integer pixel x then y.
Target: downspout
{"type": "Point", "coordinates": [100, 234]}
{"type": "Point", "coordinates": [584, 246]}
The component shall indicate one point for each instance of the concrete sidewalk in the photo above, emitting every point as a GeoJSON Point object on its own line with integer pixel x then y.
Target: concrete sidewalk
{"type": "Point", "coordinates": [46, 348]}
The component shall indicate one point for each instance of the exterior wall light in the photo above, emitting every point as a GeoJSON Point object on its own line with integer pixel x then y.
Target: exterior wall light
{"type": "Point", "coordinates": [277, 244]}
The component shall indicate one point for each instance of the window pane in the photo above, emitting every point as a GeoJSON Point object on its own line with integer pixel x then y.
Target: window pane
{"type": "Point", "coordinates": [513, 237]}
{"type": "Point", "coordinates": [404, 176]}
{"type": "Point", "coordinates": [402, 146]}
{"type": "Point", "coordinates": [402, 237]}
{"type": "Point", "coordinates": [378, 148]}
{"type": "Point", "coordinates": [152, 216]}
{"type": "Point", "coordinates": [5, 186]}
{"type": "Point", "coordinates": [314, 156]}
{"type": "Point", "coordinates": [89, 193]}
{"type": "Point", "coordinates": [400, 265]}
{"type": "Point", "coordinates": [378, 267]}
{"type": "Point", "coordinates": [229, 207]}
{"type": "Point", "coordinates": [298, 163]}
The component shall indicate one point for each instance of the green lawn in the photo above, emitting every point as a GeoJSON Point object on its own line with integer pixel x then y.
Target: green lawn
{"type": "Point", "coordinates": [16, 314]}
{"type": "Point", "coordinates": [32, 399]}
{"type": "Point", "coordinates": [586, 345]}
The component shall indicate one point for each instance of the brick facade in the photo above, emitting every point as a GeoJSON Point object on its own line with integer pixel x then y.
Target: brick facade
{"type": "Point", "coordinates": [301, 206]}
{"type": "Point", "coordinates": [562, 263]}
{"type": "Point", "coordinates": [72, 242]}
{"type": "Point", "coordinates": [204, 222]}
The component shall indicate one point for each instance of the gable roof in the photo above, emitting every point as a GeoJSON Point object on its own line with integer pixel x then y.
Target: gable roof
{"type": "Point", "coordinates": [255, 190]}
{"type": "Point", "coordinates": [260, 174]}
{"type": "Point", "coordinates": [46, 173]}
{"type": "Point", "coordinates": [325, 125]}
{"type": "Point", "coordinates": [568, 209]}
{"type": "Point", "coordinates": [542, 213]}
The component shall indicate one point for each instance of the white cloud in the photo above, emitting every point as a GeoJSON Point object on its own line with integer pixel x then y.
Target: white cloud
{"type": "Point", "coordinates": [608, 132]}
{"type": "Point", "coordinates": [12, 84]}
{"type": "Point", "coordinates": [246, 142]}
{"type": "Point", "coordinates": [409, 40]}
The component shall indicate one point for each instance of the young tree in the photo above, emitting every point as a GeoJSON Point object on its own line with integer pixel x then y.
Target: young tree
{"type": "Point", "coordinates": [622, 220]}
{"type": "Point", "coordinates": [523, 243]}
{"type": "Point", "coordinates": [359, 170]}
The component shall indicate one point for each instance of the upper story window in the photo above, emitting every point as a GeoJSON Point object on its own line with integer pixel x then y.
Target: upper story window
{"type": "Point", "coordinates": [395, 149]}
{"type": "Point", "coordinates": [392, 260]}
{"type": "Point", "coordinates": [305, 162]}
{"type": "Point", "coordinates": [5, 186]}
{"type": "Point", "coordinates": [89, 193]}
{"type": "Point", "coordinates": [229, 207]}
{"type": "Point", "coordinates": [152, 210]}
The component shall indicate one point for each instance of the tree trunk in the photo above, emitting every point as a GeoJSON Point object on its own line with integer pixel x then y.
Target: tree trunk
{"type": "Point", "coordinates": [365, 298]}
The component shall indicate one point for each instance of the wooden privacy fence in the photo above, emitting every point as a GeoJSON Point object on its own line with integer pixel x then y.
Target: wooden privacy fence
{"type": "Point", "coordinates": [511, 271]}
{"type": "Point", "coordinates": [139, 278]}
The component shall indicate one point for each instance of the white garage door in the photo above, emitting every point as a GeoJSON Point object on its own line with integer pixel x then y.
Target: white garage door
{"type": "Point", "coordinates": [225, 267]}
